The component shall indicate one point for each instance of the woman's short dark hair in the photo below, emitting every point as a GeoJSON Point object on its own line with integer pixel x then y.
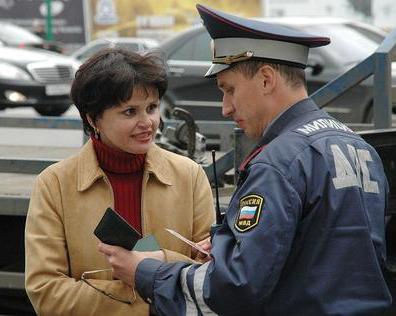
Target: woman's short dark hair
{"type": "Point", "coordinates": [109, 77]}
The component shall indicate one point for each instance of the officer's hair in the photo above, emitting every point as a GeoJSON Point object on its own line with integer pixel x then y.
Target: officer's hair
{"type": "Point", "coordinates": [294, 76]}
{"type": "Point", "coordinates": [108, 78]}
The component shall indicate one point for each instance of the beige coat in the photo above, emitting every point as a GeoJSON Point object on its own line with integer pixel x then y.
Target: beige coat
{"type": "Point", "coordinates": [68, 200]}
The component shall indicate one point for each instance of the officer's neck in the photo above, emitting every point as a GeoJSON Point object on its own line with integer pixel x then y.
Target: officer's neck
{"type": "Point", "coordinates": [282, 100]}
{"type": "Point", "coordinates": [286, 96]}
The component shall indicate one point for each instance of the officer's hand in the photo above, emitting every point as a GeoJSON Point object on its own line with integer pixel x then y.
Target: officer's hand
{"type": "Point", "coordinates": [206, 245]}
{"type": "Point", "coordinates": [125, 262]}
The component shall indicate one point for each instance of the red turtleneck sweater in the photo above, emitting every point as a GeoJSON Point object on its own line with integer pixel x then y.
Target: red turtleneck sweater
{"type": "Point", "coordinates": [125, 172]}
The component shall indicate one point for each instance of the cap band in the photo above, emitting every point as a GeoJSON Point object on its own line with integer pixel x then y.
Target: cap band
{"type": "Point", "coordinates": [261, 48]}
{"type": "Point", "coordinates": [232, 58]}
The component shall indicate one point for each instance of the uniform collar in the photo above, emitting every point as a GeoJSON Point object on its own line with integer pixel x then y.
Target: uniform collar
{"type": "Point", "coordinates": [288, 119]}
{"type": "Point", "coordinates": [89, 170]}
{"type": "Point", "coordinates": [274, 120]}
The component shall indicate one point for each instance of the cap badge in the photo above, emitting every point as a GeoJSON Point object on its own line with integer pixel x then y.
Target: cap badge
{"type": "Point", "coordinates": [232, 58]}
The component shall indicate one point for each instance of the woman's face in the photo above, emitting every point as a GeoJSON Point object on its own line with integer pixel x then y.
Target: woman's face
{"type": "Point", "coordinates": [131, 126]}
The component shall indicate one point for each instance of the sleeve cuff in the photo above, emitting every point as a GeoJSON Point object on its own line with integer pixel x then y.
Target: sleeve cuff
{"type": "Point", "coordinates": [145, 277]}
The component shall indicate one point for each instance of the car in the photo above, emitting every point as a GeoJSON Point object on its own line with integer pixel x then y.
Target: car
{"type": "Point", "coordinates": [133, 43]}
{"type": "Point", "coordinates": [16, 36]}
{"type": "Point", "coordinates": [36, 78]}
{"type": "Point", "coordinates": [188, 56]}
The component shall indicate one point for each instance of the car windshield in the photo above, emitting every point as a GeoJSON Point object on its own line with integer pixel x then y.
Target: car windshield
{"type": "Point", "coordinates": [13, 35]}
{"type": "Point", "coordinates": [348, 42]}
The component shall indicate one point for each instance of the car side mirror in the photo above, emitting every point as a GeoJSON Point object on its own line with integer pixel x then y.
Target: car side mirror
{"type": "Point", "coordinates": [315, 64]}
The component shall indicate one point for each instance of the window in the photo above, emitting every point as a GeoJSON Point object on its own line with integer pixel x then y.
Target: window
{"type": "Point", "coordinates": [347, 44]}
{"type": "Point", "coordinates": [129, 46]}
{"type": "Point", "coordinates": [92, 50]}
{"type": "Point", "coordinates": [197, 49]}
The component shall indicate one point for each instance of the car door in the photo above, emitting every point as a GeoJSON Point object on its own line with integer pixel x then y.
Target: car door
{"type": "Point", "coordinates": [188, 88]}
{"type": "Point", "coordinates": [384, 142]}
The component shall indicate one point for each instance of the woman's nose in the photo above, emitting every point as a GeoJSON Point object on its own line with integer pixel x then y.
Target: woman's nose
{"type": "Point", "coordinates": [144, 120]}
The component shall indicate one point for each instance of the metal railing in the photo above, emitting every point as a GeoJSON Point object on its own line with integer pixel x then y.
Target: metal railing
{"type": "Point", "coordinates": [49, 122]}
{"type": "Point", "coordinates": [379, 65]}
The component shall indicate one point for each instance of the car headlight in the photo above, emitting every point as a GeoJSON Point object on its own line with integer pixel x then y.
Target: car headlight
{"type": "Point", "coordinates": [8, 71]}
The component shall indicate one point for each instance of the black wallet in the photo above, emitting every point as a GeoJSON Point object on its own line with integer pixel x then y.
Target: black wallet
{"type": "Point", "coordinates": [114, 230]}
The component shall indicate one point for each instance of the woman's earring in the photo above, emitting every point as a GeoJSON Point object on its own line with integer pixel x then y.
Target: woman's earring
{"type": "Point", "coordinates": [96, 133]}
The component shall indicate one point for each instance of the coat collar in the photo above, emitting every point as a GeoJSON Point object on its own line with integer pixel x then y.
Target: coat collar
{"type": "Point", "coordinates": [89, 170]}
{"type": "Point", "coordinates": [88, 167]}
{"type": "Point", "coordinates": [157, 164]}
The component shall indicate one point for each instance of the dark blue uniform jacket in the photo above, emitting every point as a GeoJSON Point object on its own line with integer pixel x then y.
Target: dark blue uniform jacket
{"type": "Point", "coordinates": [303, 234]}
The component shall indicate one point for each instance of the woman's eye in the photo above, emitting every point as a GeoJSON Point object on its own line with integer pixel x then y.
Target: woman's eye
{"type": "Point", "coordinates": [129, 112]}
{"type": "Point", "coordinates": [152, 108]}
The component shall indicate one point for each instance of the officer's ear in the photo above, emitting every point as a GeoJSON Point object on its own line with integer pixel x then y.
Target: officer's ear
{"type": "Point", "coordinates": [268, 77]}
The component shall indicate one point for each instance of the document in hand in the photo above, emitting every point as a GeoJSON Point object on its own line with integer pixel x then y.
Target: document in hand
{"type": "Point", "coordinates": [114, 230]}
{"type": "Point", "coordinates": [191, 243]}
{"type": "Point", "coordinates": [148, 243]}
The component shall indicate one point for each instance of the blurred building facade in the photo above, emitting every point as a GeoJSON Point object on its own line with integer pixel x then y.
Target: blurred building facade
{"type": "Point", "coordinates": [153, 18]}
{"type": "Point", "coordinates": [381, 13]}
{"type": "Point", "coordinates": [67, 19]}
{"type": "Point", "coordinates": [75, 22]}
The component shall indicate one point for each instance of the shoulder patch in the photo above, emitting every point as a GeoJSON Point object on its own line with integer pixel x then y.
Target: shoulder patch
{"type": "Point", "coordinates": [250, 207]}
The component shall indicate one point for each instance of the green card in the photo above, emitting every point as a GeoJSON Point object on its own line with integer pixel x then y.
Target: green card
{"type": "Point", "coordinates": [148, 243]}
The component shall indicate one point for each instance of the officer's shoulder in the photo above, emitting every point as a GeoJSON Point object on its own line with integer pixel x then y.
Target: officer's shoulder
{"type": "Point", "coordinates": [304, 139]}
{"type": "Point", "coordinates": [320, 127]}
{"type": "Point", "coordinates": [317, 130]}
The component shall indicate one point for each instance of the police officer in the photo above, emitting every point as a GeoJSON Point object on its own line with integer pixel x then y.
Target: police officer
{"type": "Point", "coordinates": [304, 231]}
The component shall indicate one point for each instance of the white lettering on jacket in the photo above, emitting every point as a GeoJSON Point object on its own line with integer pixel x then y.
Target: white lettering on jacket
{"type": "Point", "coordinates": [320, 124]}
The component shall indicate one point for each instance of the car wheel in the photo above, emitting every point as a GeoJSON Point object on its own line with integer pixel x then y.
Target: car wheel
{"type": "Point", "coordinates": [50, 110]}
{"type": "Point", "coordinates": [166, 109]}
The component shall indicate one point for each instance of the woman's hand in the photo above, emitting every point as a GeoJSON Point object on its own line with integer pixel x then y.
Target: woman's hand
{"type": "Point", "coordinates": [125, 262]}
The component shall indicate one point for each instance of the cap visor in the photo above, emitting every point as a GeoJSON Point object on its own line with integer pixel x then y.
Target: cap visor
{"type": "Point", "coordinates": [215, 69]}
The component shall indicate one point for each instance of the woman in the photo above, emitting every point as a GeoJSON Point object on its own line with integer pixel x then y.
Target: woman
{"type": "Point", "coordinates": [117, 93]}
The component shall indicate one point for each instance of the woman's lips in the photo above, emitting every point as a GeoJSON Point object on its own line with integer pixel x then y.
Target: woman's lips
{"type": "Point", "coordinates": [143, 137]}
